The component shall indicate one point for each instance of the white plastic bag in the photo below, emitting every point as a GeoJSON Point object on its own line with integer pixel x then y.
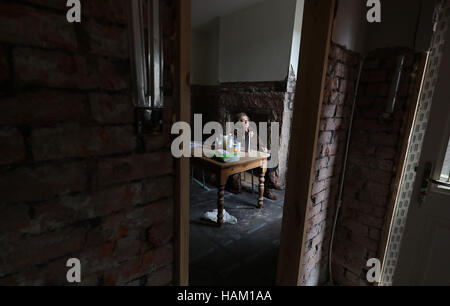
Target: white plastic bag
{"type": "Point", "coordinates": [212, 216]}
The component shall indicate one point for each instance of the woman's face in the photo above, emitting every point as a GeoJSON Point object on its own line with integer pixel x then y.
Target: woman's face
{"type": "Point", "coordinates": [245, 123]}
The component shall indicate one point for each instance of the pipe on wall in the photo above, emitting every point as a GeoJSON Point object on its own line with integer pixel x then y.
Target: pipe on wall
{"type": "Point", "coordinates": [344, 167]}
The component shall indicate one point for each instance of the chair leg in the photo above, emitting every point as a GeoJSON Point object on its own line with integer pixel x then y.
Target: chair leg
{"type": "Point", "coordinates": [253, 188]}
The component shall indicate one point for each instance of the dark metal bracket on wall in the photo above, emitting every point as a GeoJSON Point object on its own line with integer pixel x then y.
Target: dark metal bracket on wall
{"type": "Point", "coordinates": [147, 61]}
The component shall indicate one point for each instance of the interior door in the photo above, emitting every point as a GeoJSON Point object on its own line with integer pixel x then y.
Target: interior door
{"type": "Point", "coordinates": [425, 251]}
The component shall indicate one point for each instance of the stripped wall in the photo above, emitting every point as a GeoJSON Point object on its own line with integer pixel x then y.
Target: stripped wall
{"type": "Point", "coordinates": [336, 111]}
{"type": "Point", "coordinates": [75, 178]}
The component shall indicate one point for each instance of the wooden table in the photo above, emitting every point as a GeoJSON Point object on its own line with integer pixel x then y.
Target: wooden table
{"type": "Point", "coordinates": [224, 170]}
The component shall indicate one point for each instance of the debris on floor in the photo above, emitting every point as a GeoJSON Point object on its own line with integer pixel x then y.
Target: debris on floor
{"type": "Point", "coordinates": [212, 216]}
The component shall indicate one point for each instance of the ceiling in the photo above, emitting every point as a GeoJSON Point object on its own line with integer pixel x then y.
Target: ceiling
{"type": "Point", "coordinates": [203, 11]}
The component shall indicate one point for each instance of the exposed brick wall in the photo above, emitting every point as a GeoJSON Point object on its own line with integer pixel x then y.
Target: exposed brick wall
{"type": "Point", "coordinates": [220, 103]}
{"type": "Point", "coordinates": [336, 111]}
{"type": "Point", "coordinates": [75, 178]}
{"type": "Point", "coordinates": [373, 156]}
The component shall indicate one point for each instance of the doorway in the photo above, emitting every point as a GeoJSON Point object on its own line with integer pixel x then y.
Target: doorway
{"type": "Point", "coordinates": [418, 248]}
{"type": "Point", "coordinates": [243, 63]}
{"type": "Point", "coordinates": [309, 93]}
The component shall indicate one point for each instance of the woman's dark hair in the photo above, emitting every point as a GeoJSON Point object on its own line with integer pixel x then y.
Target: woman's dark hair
{"type": "Point", "coordinates": [240, 115]}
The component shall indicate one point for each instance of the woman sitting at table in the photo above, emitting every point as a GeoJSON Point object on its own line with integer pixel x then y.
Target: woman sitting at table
{"type": "Point", "coordinates": [234, 182]}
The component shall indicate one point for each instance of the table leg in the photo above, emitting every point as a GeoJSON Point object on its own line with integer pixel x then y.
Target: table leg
{"type": "Point", "coordinates": [261, 189]}
{"type": "Point", "coordinates": [220, 204]}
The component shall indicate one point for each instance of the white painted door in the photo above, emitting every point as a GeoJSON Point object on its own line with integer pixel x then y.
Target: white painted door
{"type": "Point", "coordinates": [425, 250]}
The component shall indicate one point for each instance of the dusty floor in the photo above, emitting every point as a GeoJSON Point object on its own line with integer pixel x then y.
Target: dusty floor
{"type": "Point", "coordinates": [244, 254]}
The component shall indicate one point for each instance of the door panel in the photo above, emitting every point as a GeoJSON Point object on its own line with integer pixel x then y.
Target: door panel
{"type": "Point", "coordinates": [425, 248]}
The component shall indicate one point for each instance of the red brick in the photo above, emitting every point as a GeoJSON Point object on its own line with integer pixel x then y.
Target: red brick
{"type": "Point", "coordinates": [341, 71]}
{"type": "Point", "coordinates": [96, 260]}
{"type": "Point", "coordinates": [135, 167]}
{"type": "Point", "coordinates": [12, 146]}
{"type": "Point", "coordinates": [324, 162]}
{"type": "Point", "coordinates": [75, 141]}
{"type": "Point", "coordinates": [129, 270]}
{"type": "Point", "coordinates": [114, 11]}
{"type": "Point", "coordinates": [322, 185]}
{"type": "Point", "coordinates": [337, 53]}
{"type": "Point", "coordinates": [41, 182]}
{"type": "Point", "coordinates": [317, 219]}
{"type": "Point", "coordinates": [357, 228]}
{"type": "Point", "coordinates": [156, 189]}
{"type": "Point", "coordinates": [38, 250]}
{"type": "Point", "coordinates": [335, 84]}
{"type": "Point", "coordinates": [156, 142]}
{"type": "Point", "coordinates": [379, 176]}
{"type": "Point", "coordinates": [108, 40]}
{"type": "Point", "coordinates": [343, 86]}
{"type": "Point", "coordinates": [57, 213]}
{"type": "Point", "coordinates": [107, 249]}
{"type": "Point", "coordinates": [371, 221]}
{"type": "Point", "coordinates": [330, 150]}
{"type": "Point", "coordinates": [314, 229]}
{"type": "Point", "coordinates": [372, 63]}
{"type": "Point", "coordinates": [385, 139]}
{"type": "Point", "coordinates": [115, 199]}
{"type": "Point", "coordinates": [146, 216]}
{"type": "Point", "coordinates": [56, 4]}
{"type": "Point", "coordinates": [374, 234]}
{"type": "Point", "coordinates": [127, 247]}
{"type": "Point", "coordinates": [55, 69]}
{"type": "Point", "coordinates": [108, 109]}
{"type": "Point", "coordinates": [15, 217]}
{"type": "Point", "coordinates": [43, 107]}
{"type": "Point", "coordinates": [377, 188]}
{"type": "Point", "coordinates": [54, 214]}
{"type": "Point", "coordinates": [141, 265]}
{"type": "Point", "coordinates": [314, 210]}
{"type": "Point", "coordinates": [374, 112]}
{"type": "Point", "coordinates": [161, 233]}
{"type": "Point", "coordinates": [111, 228]}
{"type": "Point", "coordinates": [362, 149]}
{"type": "Point", "coordinates": [328, 111]}
{"type": "Point", "coordinates": [50, 274]}
{"type": "Point", "coordinates": [368, 243]}
{"type": "Point", "coordinates": [343, 111]}
{"type": "Point", "coordinates": [372, 197]}
{"type": "Point", "coordinates": [337, 98]}
{"type": "Point", "coordinates": [378, 90]}
{"type": "Point", "coordinates": [354, 207]}
{"type": "Point", "coordinates": [161, 277]}
{"type": "Point", "coordinates": [325, 173]}
{"type": "Point", "coordinates": [379, 211]}
{"type": "Point", "coordinates": [21, 24]}
{"type": "Point", "coordinates": [324, 137]}
{"type": "Point", "coordinates": [331, 124]}
{"type": "Point", "coordinates": [157, 258]}
{"type": "Point", "coordinates": [377, 75]}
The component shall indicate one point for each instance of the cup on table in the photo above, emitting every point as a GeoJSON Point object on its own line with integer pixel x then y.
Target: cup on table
{"type": "Point", "coordinates": [219, 143]}
{"type": "Point", "coordinates": [238, 147]}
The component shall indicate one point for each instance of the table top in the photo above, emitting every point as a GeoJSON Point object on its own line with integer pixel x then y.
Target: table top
{"type": "Point", "coordinates": [244, 160]}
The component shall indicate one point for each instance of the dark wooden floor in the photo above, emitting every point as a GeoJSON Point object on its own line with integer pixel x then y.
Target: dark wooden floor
{"type": "Point", "coordinates": [244, 254]}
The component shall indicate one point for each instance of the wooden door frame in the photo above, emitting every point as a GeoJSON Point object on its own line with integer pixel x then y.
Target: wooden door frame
{"type": "Point", "coordinates": [318, 17]}
{"type": "Point", "coordinates": [405, 142]}
{"type": "Point", "coordinates": [182, 166]}
{"type": "Point", "coordinates": [315, 43]}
